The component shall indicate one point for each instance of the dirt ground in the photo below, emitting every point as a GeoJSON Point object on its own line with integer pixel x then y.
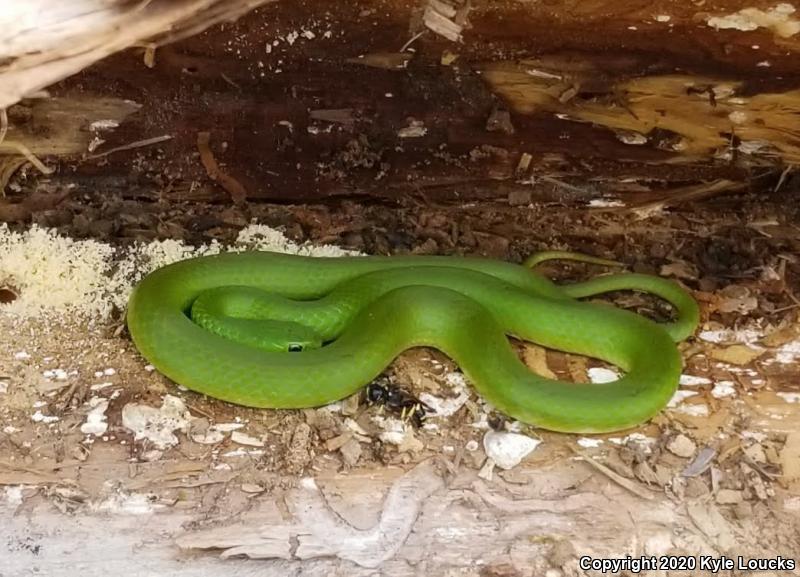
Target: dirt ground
{"type": "Point", "coordinates": [662, 135]}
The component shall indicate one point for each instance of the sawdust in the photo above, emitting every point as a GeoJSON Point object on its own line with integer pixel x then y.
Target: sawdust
{"type": "Point", "coordinates": [56, 275]}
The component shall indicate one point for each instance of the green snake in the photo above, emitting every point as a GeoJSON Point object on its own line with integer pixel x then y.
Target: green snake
{"type": "Point", "coordinates": [274, 330]}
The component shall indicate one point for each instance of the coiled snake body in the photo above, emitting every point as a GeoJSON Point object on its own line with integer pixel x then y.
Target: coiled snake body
{"type": "Point", "coordinates": [228, 326]}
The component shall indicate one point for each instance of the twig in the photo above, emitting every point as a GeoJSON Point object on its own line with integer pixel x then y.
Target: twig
{"type": "Point", "coordinates": [132, 145]}
{"type": "Point", "coordinates": [618, 479]}
{"type": "Point", "coordinates": [781, 180]}
{"type": "Point", "coordinates": [230, 81]}
{"type": "Point", "coordinates": [412, 40]}
{"type": "Point", "coordinates": [677, 196]}
{"type": "Point", "coordinates": [15, 146]}
{"type": "Point", "coordinates": [200, 411]}
{"type": "Point", "coordinates": [3, 124]}
{"type": "Point", "coordinates": [565, 185]}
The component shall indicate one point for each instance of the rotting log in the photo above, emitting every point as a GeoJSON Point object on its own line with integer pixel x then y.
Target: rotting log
{"type": "Point", "coordinates": [44, 41]}
{"type": "Point", "coordinates": [406, 523]}
{"type": "Point", "coordinates": [449, 101]}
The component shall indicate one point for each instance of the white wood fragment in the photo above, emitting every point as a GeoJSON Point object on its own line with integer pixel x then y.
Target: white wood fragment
{"type": "Point", "coordinates": [96, 423]}
{"type": "Point", "coordinates": [157, 425]}
{"type": "Point", "coordinates": [508, 449]}
{"type": "Point", "coordinates": [244, 439]}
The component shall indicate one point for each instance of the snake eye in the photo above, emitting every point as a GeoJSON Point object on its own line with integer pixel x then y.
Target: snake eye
{"type": "Point", "coordinates": [295, 348]}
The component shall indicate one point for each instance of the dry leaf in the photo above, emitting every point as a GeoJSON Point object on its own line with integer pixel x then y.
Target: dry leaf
{"type": "Point", "coordinates": [679, 269]}
{"type": "Point", "coordinates": [737, 299]}
{"type": "Point", "coordinates": [782, 336]}
{"type": "Point", "coordinates": [736, 354]}
{"type": "Point", "coordinates": [448, 58]}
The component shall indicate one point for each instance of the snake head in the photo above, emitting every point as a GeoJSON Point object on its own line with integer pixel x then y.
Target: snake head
{"type": "Point", "coordinates": [294, 337]}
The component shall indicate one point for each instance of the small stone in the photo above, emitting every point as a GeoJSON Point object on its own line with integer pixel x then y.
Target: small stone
{"type": "Point", "coordinates": [682, 446]}
{"type": "Point", "coordinates": [729, 497]}
{"type": "Point", "coordinates": [252, 488]}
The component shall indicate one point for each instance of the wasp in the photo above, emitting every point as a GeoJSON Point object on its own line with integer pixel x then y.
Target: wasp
{"type": "Point", "coordinates": [399, 401]}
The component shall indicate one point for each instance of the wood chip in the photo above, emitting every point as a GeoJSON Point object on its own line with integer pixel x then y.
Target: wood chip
{"type": "Point", "coordinates": [790, 460]}
{"type": "Point", "coordinates": [338, 442]}
{"type": "Point", "coordinates": [441, 25]}
{"type": "Point", "coordinates": [245, 439]}
{"type": "Point", "coordinates": [680, 269]}
{"type": "Point", "coordinates": [682, 446]}
{"type": "Point", "coordinates": [351, 452]}
{"type": "Point", "coordinates": [712, 524]}
{"type": "Point", "coordinates": [728, 497]}
{"type": "Point", "coordinates": [535, 357]}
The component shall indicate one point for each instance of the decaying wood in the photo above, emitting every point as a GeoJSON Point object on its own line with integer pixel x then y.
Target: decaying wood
{"type": "Point", "coordinates": [700, 114]}
{"type": "Point", "coordinates": [42, 41]}
{"type": "Point", "coordinates": [420, 524]}
{"type": "Point", "coordinates": [314, 107]}
{"type": "Point", "coordinates": [319, 532]}
{"type": "Point", "coordinates": [65, 125]}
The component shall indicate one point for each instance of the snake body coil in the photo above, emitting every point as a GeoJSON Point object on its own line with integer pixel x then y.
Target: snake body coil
{"type": "Point", "coordinates": [354, 315]}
